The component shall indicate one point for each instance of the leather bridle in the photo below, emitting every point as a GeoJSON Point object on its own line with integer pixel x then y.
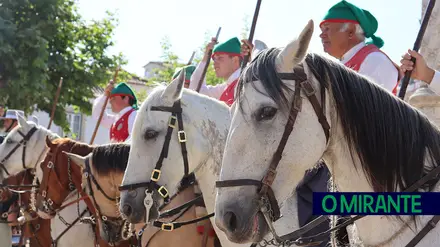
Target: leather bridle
{"type": "Point", "coordinates": [26, 138]}
{"type": "Point", "coordinates": [265, 191]}
{"type": "Point", "coordinates": [269, 205]}
{"type": "Point", "coordinates": [152, 186]}
{"type": "Point", "coordinates": [187, 180]}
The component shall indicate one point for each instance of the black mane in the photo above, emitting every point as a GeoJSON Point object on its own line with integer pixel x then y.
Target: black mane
{"type": "Point", "coordinates": [110, 158]}
{"type": "Point", "coordinates": [390, 137]}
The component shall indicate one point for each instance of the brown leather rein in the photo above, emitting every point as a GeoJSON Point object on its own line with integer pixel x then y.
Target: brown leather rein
{"type": "Point", "coordinates": [269, 204]}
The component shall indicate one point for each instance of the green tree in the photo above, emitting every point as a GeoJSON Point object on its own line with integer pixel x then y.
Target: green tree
{"type": "Point", "coordinates": [41, 41]}
{"type": "Point", "coordinates": [170, 61]}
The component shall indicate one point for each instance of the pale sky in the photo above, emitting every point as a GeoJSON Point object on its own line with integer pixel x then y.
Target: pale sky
{"type": "Point", "coordinates": [143, 23]}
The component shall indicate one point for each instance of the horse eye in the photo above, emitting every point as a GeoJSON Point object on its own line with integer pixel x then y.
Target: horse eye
{"type": "Point", "coordinates": [266, 113]}
{"type": "Point", "coordinates": [150, 134]}
{"type": "Point", "coordinates": [9, 141]}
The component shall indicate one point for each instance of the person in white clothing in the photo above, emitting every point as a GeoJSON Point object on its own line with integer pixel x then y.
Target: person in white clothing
{"type": "Point", "coordinates": [227, 58]}
{"type": "Point", "coordinates": [123, 102]}
{"type": "Point", "coordinates": [420, 70]}
{"type": "Point", "coordinates": [347, 33]}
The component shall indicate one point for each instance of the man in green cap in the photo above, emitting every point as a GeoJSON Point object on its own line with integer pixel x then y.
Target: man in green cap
{"type": "Point", "coordinates": [227, 58]}
{"type": "Point", "coordinates": [348, 34]}
{"type": "Point", "coordinates": [189, 70]}
{"type": "Point", "coordinates": [123, 102]}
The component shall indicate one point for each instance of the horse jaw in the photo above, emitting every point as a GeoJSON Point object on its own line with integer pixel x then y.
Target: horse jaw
{"type": "Point", "coordinates": [173, 92]}
{"type": "Point", "coordinates": [296, 50]}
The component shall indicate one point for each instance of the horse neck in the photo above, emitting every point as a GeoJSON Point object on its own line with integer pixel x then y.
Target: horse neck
{"type": "Point", "coordinates": [209, 125]}
{"type": "Point", "coordinates": [346, 170]}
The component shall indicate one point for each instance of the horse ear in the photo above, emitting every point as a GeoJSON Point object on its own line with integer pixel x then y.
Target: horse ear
{"type": "Point", "coordinates": [77, 159]}
{"type": "Point", "coordinates": [296, 50]}
{"type": "Point", "coordinates": [22, 121]}
{"type": "Point", "coordinates": [48, 142]}
{"type": "Point", "coordinates": [173, 92]}
{"type": "Point", "coordinates": [258, 47]}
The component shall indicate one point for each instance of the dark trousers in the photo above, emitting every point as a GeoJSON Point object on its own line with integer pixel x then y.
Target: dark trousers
{"type": "Point", "coordinates": [316, 180]}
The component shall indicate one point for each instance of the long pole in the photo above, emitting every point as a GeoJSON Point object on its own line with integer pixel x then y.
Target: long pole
{"type": "Point", "coordinates": [54, 106]}
{"type": "Point", "coordinates": [207, 63]}
{"type": "Point", "coordinates": [252, 31]}
{"type": "Point", "coordinates": [115, 76]}
{"type": "Point", "coordinates": [191, 58]}
{"type": "Point", "coordinates": [417, 44]}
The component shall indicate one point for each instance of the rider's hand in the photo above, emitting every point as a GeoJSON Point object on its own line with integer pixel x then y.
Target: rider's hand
{"type": "Point", "coordinates": [420, 70]}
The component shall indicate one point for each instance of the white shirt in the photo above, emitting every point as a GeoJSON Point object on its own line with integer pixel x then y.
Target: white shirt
{"type": "Point", "coordinates": [108, 119]}
{"type": "Point", "coordinates": [376, 66]}
{"type": "Point", "coordinates": [213, 91]}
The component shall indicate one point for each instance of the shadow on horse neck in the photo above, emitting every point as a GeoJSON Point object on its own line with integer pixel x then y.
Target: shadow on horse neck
{"type": "Point", "coordinates": [38, 229]}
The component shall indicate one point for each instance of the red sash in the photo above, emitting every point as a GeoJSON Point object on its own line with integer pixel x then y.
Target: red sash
{"type": "Point", "coordinates": [356, 61]}
{"type": "Point", "coordinates": [119, 129]}
{"type": "Point", "coordinates": [228, 95]}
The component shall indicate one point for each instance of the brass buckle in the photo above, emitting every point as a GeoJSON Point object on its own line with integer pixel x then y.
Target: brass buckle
{"type": "Point", "coordinates": [172, 122]}
{"type": "Point", "coordinates": [155, 175]}
{"type": "Point", "coordinates": [182, 136]}
{"type": "Point", "coordinates": [167, 227]}
{"type": "Point", "coordinates": [163, 191]}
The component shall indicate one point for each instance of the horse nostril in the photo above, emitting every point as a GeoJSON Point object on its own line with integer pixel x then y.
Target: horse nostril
{"type": "Point", "coordinates": [126, 210]}
{"type": "Point", "coordinates": [231, 221]}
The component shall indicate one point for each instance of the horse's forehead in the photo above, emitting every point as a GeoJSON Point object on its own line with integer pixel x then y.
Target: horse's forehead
{"type": "Point", "coordinates": [254, 94]}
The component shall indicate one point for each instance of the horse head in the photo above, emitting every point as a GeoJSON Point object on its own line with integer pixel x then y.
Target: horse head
{"type": "Point", "coordinates": [267, 101]}
{"type": "Point", "coordinates": [173, 133]}
{"type": "Point", "coordinates": [102, 171]}
{"type": "Point", "coordinates": [23, 147]}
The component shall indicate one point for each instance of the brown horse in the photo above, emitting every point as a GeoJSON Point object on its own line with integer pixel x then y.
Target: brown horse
{"type": "Point", "coordinates": [34, 227]}
{"type": "Point", "coordinates": [105, 168]}
{"type": "Point", "coordinates": [58, 182]}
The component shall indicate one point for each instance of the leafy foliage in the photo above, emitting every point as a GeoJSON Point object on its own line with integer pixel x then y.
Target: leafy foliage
{"type": "Point", "coordinates": [42, 41]}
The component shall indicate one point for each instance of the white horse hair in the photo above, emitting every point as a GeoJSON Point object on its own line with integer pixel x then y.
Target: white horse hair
{"type": "Point", "coordinates": [36, 150]}
{"type": "Point", "coordinates": [377, 143]}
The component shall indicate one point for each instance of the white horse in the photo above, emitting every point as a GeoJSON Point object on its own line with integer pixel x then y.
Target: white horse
{"type": "Point", "coordinates": [15, 155]}
{"type": "Point", "coordinates": [376, 142]}
{"type": "Point", "coordinates": [206, 122]}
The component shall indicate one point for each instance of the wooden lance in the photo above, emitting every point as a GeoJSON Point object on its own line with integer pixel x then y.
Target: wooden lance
{"type": "Point", "coordinates": [191, 58]}
{"type": "Point", "coordinates": [417, 44]}
{"type": "Point", "coordinates": [207, 63]}
{"type": "Point", "coordinates": [54, 106]}
{"type": "Point", "coordinates": [252, 31]}
{"type": "Point", "coordinates": [115, 77]}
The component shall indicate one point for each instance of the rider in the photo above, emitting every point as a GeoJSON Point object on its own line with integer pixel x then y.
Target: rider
{"type": "Point", "coordinates": [123, 102]}
{"type": "Point", "coordinates": [344, 33]}
{"type": "Point", "coordinates": [227, 58]}
{"type": "Point", "coordinates": [420, 70]}
{"type": "Point", "coordinates": [10, 119]}
{"type": "Point", "coordinates": [189, 70]}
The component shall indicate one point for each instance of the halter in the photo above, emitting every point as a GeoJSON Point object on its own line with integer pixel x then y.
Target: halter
{"type": "Point", "coordinates": [23, 142]}
{"type": "Point", "coordinates": [268, 203]}
{"type": "Point", "coordinates": [265, 192]}
{"type": "Point", "coordinates": [152, 185]}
